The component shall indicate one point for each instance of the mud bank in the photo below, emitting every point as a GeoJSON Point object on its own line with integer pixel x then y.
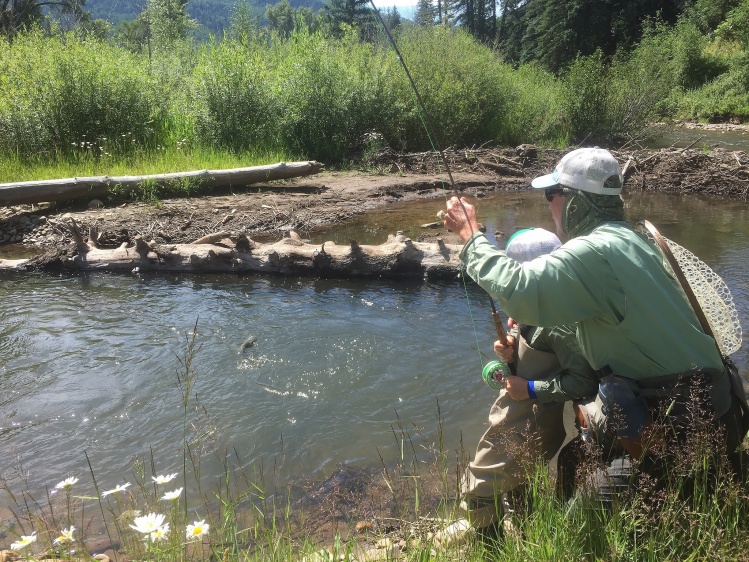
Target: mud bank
{"type": "Point", "coordinates": [266, 211]}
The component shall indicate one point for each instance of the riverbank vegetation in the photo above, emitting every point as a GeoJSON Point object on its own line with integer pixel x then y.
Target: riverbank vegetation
{"type": "Point", "coordinates": [77, 101]}
{"type": "Point", "coordinates": [398, 512]}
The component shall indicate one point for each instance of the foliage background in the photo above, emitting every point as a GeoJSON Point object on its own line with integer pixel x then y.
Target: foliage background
{"type": "Point", "coordinates": [323, 85]}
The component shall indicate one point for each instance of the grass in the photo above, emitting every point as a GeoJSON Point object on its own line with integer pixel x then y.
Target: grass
{"type": "Point", "coordinates": [173, 517]}
{"type": "Point", "coordinates": [174, 159]}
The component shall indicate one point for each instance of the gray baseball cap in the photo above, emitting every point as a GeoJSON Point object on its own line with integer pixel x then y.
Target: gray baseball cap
{"type": "Point", "coordinates": [593, 170]}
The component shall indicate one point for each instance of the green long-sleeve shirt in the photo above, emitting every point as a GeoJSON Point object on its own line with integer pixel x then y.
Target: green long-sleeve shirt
{"type": "Point", "coordinates": [629, 312]}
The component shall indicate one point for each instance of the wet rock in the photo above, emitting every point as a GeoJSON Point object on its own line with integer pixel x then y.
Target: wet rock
{"type": "Point", "coordinates": [363, 526]}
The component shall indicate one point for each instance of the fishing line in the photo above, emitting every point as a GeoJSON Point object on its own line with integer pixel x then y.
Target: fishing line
{"type": "Point", "coordinates": [488, 372]}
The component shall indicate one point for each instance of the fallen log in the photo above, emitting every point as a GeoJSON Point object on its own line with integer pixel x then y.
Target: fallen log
{"type": "Point", "coordinates": [98, 186]}
{"type": "Point", "coordinates": [398, 257]}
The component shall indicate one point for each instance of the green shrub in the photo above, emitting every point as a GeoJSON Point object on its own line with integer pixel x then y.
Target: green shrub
{"type": "Point", "coordinates": [231, 94]}
{"type": "Point", "coordinates": [585, 87]}
{"type": "Point", "coordinates": [609, 102]}
{"type": "Point", "coordinates": [330, 92]}
{"type": "Point", "coordinates": [73, 95]}
{"type": "Point", "coordinates": [462, 84]}
{"type": "Point", "coordinates": [724, 98]}
{"type": "Point", "coordinates": [534, 109]}
{"type": "Point", "coordinates": [693, 66]}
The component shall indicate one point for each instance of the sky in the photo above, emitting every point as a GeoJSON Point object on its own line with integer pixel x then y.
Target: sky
{"type": "Point", "coordinates": [406, 8]}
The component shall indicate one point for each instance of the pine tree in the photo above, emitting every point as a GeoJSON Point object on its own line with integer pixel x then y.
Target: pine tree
{"type": "Point", "coordinates": [425, 14]}
{"type": "Point", "coordinates": [351, 13]}
{"type": "Point", "coordinates": [478, 17]}
{"type": "Point", "coordinates": [392, 18]}
{"type": "Point", "coordinates": [20, 15]}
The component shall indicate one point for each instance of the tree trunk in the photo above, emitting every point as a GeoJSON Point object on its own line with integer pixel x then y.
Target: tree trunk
{"type": "Point", "coordinates": [98, 186]}
{"type": "Point", "coordinates": [222, 252]}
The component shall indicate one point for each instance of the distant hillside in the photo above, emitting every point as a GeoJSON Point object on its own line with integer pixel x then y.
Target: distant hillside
{"type": "Point", "coordinates": [213, 14]}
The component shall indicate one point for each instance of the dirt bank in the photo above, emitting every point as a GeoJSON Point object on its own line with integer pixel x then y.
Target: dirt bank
{"type": "Point", "coordinates": [332, 197]}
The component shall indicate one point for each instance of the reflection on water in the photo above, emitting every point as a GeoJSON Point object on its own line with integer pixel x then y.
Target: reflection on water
{"type": "Point", "coordinates": [88, 363]}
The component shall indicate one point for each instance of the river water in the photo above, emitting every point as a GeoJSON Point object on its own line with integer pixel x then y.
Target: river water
{"type": "Point", "coordinates": [89, 362]}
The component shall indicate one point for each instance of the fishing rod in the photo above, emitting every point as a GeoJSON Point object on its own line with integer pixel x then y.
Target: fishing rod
{"type": "Point", "coordinates": [494, 372]}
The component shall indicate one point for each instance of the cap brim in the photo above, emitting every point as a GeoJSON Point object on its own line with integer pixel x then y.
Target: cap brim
{"type": "Point", "coordinates": [542, 182]}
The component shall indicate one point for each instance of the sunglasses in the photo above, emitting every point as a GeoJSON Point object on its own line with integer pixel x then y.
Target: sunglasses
{"type": "Point", "coordinates": [550, 192]}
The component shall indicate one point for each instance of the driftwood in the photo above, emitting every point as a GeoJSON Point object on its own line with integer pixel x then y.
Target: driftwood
{"type": "Point", "coordinates": [97, 186]}
{"type": "Point", "coordinates": [398, 257]}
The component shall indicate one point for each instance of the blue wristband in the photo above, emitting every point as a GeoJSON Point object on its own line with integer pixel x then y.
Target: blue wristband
{"type": "Point", "coordinates": [531, 390]}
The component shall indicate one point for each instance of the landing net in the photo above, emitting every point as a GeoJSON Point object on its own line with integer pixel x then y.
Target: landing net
{"type": "Point", "coordinates": [714, 297]}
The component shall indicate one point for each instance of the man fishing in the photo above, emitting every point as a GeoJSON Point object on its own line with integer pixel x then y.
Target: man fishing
{"type": "Point", "coordinates": [526, 420]}
{"type": "Point", "coordinates": [633, 322]}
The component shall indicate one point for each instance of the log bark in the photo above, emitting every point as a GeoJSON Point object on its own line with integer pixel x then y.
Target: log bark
{"type": "Point", "coordinates": [398, 257]}
{"type": "Point", "coordinates": [98, 186]}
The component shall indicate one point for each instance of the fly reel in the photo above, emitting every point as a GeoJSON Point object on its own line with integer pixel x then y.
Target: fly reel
{"type": "Point", "coordinates": [494, 374]}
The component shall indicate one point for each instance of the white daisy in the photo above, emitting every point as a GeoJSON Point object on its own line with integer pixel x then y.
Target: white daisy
{"type": "Point", "coordinates": [119, 488]}
{"type": "Point", "coordinates": [160, 533]}
{"type": "Point", "coordinates": [65, 536]}
{"type": "Point", "coordinates": [25, 541]}
{"type": "Point", "coordinates": [164, 478]}
{"type": "Point", "coordinates": [172, 495]}
{"type": "Point", "coordinates": [197, 530]}
{"type": "Point", "coordinates": [148, 524]}
{"type": "Point", "coordinates": [67, 483]}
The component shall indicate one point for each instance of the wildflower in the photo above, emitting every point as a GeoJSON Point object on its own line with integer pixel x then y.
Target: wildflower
{"type": "Point", "coordinates": [172, 495]}
{"type": "Point", "coordinates": [119, 488]}
{"type": "Point", "coordinates": [164, 478]}
{"type": "Point", "coordinates": [197, 530]}
{"type": "Point", "coordinates": [148, 524]}
{"type": "Point", "coordinates": [160, 533]}
{"type": "Point", "coordinates": [65, 536]}
{"type": "Point", "coordinates": [67, 483]}
{"type": "Point", "coordinates": [25, 541]}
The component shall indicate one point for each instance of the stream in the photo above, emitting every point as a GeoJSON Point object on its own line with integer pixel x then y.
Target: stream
{"type": "Point", "coordinates": [90, 364]}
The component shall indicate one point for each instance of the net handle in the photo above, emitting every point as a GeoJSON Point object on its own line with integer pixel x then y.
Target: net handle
{"type": "Point", "coordinates": [666, 251]}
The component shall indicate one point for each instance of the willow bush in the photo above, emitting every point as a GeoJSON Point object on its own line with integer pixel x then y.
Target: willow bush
{"type": "Point", "coordinates": [67, 95]}
{"type": "Point", "coordinates": [311, 96]}
{"type": "Point", "coordinates": [461, 82]}
{"type": "Point", "coordinates": [232, 95]}
{"type": "Point", "coordinates": [535, 111]}
{"type": "Point", "coordinates": [330, 92]}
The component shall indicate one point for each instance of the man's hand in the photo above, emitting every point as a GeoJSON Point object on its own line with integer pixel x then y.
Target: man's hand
{"type": "Point", "coordinates": [517, 388]}
{"type": "Point", "coordinates": [461, 218]}
{"type": "Point", "coordinates": [505, 352]}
